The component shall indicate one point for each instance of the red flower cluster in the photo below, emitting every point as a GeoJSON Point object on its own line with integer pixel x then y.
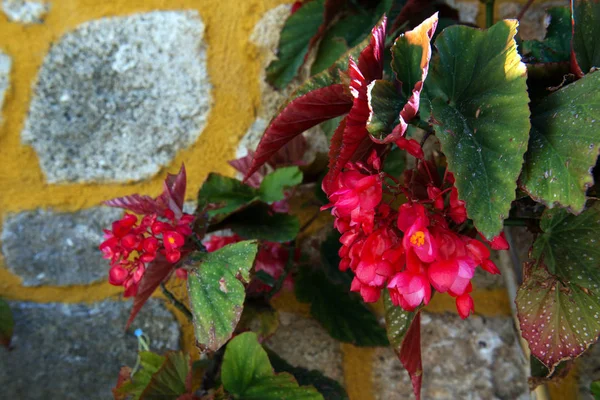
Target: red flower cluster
{"type": "Point", "coordinates": [131, 245]}
{"type": "Point", "coordinates": [271, 258]}
{"type": "Point", "coordinates": [412, 248]}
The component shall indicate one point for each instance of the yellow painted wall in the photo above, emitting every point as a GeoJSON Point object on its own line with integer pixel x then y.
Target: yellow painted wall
{"type": "Point", "coordinates": [233, 66]}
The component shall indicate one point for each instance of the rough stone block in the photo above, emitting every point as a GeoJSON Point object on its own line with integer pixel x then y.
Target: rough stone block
{"type": "Point", "coordinates": [478, 358]}
{"type": "Point", "coordinates": [75, 351]}
{"type": "Point", "coordinates": [302, 342]}
{"type": "Point", "coordinates": [57, 248]}
{"type": "Point", "coordinates": [25, 12]}
{"type": "Point", "coordinates": [117, 97]}
{"type": "Point", "coordinates": [534, 23]}
{"type": "Point", "coordinates": [5, 64]}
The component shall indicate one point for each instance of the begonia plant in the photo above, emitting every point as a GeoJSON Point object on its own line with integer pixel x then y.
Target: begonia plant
{"type": "Point", "coordinates": [441, 135]}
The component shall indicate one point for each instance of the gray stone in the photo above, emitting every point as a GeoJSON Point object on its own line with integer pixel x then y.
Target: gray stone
{"type": "Point", "coordinates": [467, 10]}
{"type": "Point", "coordinates": [478, 358]}
{"type": "Point", "coordinates": [75, 351]}
{"type": "Point", "coordinates": [57, 248]}
{"type": "Point", "coordinates": [302, 342]}
{"type": "Point", "coordinates": [118, 97]}
{"type": "Point", "coordinates": [5, 64]}
{"type": "Point", "coordinates": [533, 24]}
{"type": "Point", "coordinates": [25, 12]}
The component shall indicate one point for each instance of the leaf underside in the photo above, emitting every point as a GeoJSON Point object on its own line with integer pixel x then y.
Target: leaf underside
{"type": "Point", "coordinates": [559, 301]}
{"type": "Point", "coordinates": [586, 33]}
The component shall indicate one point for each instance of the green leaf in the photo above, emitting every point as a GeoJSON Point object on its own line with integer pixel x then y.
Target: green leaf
{"type": "Point", "coordinates": [257, 221]}
{"type": "Point", "coordinates": [228, 192]}
{"type": "Point", "coordinates": [586, 33]}
{"type": "Point", "coordinates": [216, 293]}
{"type": "Point", "coordinates": [247, 374]}
{"type": "Point", "coordinates": [395, 162]}
{"type": "Point", "coordinates": [7, 324]}
{"type": "Point", "coordinates": [329, 388]}
{"type": "Point", "coordinates": [299, 28]}
{"type": "Point", "coordinates": [559, 301]}
{"type": "Point", "coordinates": [169, 381]}
{"type": "Point", "coordinates": [330, 258]}
{"type": "Point", "coordinates": [340, 312]}
{"type": "Point", "coordinates": [480, 112]}
{"type": "Point", "coordinates": [397, 322]}
{"type": "Point", "coordinates": [564, 143]}
{"type": "Point", "coordinates": [556, 46]}
{"type": "Point", "coordinates": [385, 104]}
{"type": "Point", "coordinates": [595, 389]}
{"type": "Point", "coordinates": [330, 49]}
{"type": "Point", "coordinates": [273, 185]}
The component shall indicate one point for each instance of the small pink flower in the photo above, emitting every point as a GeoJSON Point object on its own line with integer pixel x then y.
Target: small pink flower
{"type": "Point", "coordinates": [409, 290]}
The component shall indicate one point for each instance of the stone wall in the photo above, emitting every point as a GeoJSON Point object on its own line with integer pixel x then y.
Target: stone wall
{"type": "Point", "coordinates": [99, 99]}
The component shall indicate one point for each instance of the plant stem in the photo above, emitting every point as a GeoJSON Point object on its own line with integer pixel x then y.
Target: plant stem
{"type": "Point", "coordinates": [524, 9]}
{"type": "Point", "coordinates": [178, 305]}
{"type": "Point", "coordinates": [288, 268]}
{"type": "Point", "coordinates": [489, 13]}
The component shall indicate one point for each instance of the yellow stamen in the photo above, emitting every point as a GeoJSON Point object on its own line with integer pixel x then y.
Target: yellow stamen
{"type": "Point", "coordinates": [171, 240]}
{"type": "Point", "coordinates": [417, 238]}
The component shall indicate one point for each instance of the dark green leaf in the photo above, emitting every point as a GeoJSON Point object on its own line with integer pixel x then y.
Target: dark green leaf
{"type": "Point", "coordinates": [273, 185]}
{"type": "Point", "coordinates": [564, 143]}
{"type": "Point", "coordinates": [559, 301]}
{"type": "Point", "coordinates": [395, 162]}
{"type": "Point", "coordinates": [595, 389]}
{"type": "Point", "coordinates": [329, 388]}
{"type": "Point", "coordinates": [341, 313]}
{"type": "Point", "coordinates": [169, 381]}
{"type": "Point", "coordinates": [586, 33]}
{"type": "Point", "coordinates": [247, 374]}
{"type": "Point", "coordinates": [331, 260]}
{"type": "Point", "coordinates": [330, 49]}
{"type": "Point", "coordinates": [228, 192]}
{"type": "Point", "coordinates": [480, 112]}
{"type": "Point", "coordinates": [257, 221]}
{"type": "Point", "coordinates": [385, 104]}
{"type": "Point", "coordinates": [556, 46]}
{"type": "Point", "coordinates": [7, 324]}
{"type": "Point", "coordinates": [299, 28]}
{"type": "Point", "coordinates": [216, 293]}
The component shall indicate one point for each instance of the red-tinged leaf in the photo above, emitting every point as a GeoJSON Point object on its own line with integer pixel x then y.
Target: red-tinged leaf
{"type": "Point", "coordinates": [355, 136]}
{"type": "Point", "coordinates": [137, 204]}
{"type": "Point", "coordinates": [410, 354]}
{"type": "Point", "coordinates": [169, 381]}
{"type": "Point", "coordinates": [156, 272]}
{"type": "Point", "coordinates": [559, 302]}
{"type": "Point", "coordinates": [414, 11]}
{"type": "Point", "coordinates": [243, 164]}
{"type": "Point", "coordinates": [411, 53]}
{"type": "Point", "coordinates": [335, 146]}
{"type": "Point", "coordinates": [124, 377]}
{"type": "Point", "coordinates": [585, 50]}
{"type": "Point", "coordinates": [174, 191]}
{"type": "Point", "coordinates": [290, 154]}
{"type": "Point", "coordinates": [172, 198]}
{"type": "Point", "coordinates": [410, 61]}
{"type": "Point", "coordinates": [370, 61]}
{"type": "Point", "coordinates": [299, 115]}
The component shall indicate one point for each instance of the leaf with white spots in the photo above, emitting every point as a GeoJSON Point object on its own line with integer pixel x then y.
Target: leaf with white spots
{"type": "Point", "coordinates": [559, 301]}
{"type": "Point", "coordinates": [564, 143]}
{"type": "Point", "coordinates": [216, 292]}
{"type": "Point", "coordinates": [478, 105]}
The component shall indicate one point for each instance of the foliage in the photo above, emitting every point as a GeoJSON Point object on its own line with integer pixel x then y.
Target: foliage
{"type": "Point", "coordinates": [440, 135]}
{"type": "Point", "coordinates": [7, 324]}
